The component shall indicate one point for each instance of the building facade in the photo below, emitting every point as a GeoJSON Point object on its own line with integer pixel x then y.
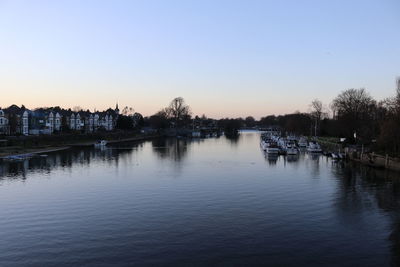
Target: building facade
{"type": "Point", "coordinates": [16, 120]}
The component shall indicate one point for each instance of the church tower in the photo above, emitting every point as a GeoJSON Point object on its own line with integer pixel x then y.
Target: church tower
{"type": "Point", "coordinates": [116, 109]}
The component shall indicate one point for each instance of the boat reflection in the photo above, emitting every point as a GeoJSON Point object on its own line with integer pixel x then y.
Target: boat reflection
{"type": "Point", "coordinates": [292, 158]}
{"type": "Point", "coordinates": [271, 158]}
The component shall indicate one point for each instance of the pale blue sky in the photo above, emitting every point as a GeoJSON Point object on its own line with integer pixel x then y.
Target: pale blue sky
{"type": "Point", "coordinates": [226, 58]}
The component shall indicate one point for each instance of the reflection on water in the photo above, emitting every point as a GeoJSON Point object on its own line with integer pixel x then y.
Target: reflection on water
{"type": "Point", "coordinates": [67, 159]}
{"type": "Point", "coordinates": [271, 158]}
{"type": "Point", "coordinates": [171, 148]}
{"type": "Point", "coordinates": [233, 139]}
{"type": "Point", "coordinates": [165, 148]}
{"type": "Point", "coordinates": [233, 204]}
{"type": "Point", "coordinates": [292, 158]}
{"type": "Point", "coordinates": [362, 189]}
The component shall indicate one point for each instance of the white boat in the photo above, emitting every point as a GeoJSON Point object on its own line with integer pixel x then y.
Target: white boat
{"type": "Point", "coordinates": [282, 143]}
{"type": "Point", "coordinates": [100, 144]}
{"type": "Point", "coordinates": [291, 148]}
{"type": "Point", "coordinates": [272, 148]}
{"type": "Point", "coordinates": [337, 156]}
{"type": "Point", "coordinates": [314, 147]}
{"type": "Point", "coordinates": [263, 145]}
{"type": "Point", "coordinates": [302, 142]}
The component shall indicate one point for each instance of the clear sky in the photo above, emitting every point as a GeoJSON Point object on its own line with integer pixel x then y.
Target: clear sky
{"type": "Point", "coordinates": [226, 58]}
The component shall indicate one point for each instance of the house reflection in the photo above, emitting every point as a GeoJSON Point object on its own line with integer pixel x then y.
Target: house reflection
{"type": "Point", "coordinates": [62, 159]}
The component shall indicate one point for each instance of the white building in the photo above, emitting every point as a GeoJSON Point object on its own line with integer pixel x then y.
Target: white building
{"type": "Point", "coordinates": [53, 122]}
{"type": "Point", "coordinates": [79, 123]}
{"type": "Point", "coordinates": [4, 128]}
{"type": "Point", "coordinates": [107, 122]}
{"type": "Point", "coordinates": [96, 122]}
{"type": "Point", "coordinates": [50, 122]}
{"type": "Point", "coordinates": [72, 122]}
{"type": "Point", "coordinates": [57, 122]}
{"type": "Point", "coordinates": [25, 123]}
{"type": "Point", "coordinates": [110, 125]}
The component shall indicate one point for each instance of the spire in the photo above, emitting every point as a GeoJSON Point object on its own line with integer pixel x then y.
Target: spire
{"type": "Point", "coordinates": [116, 108]}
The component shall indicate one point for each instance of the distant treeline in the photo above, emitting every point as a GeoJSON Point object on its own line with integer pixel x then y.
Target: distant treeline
{"type": "Point", "coordinates": [353, 115]}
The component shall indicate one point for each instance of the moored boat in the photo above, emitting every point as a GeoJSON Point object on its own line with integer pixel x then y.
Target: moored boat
{"type": "Point", "coordinates": [314, 147]}
{"type": "Point", "coordinates": [272, 148]}
{"type": "Point", "coordinates": [291, 148]}
{"type": "Point", "coordinates": [302, 142]}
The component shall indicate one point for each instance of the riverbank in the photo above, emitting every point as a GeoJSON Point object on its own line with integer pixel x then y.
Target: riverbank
{"type": "Point", "coordinates": [43, 149]}
{"type": "Point", "coordinates": [370, 159]}
{"type": "Point", "coordinates": [374, 160]}
{"type": "Point", "coordinates": [29, 151]}
{"type": "Point", "coordinates": [120, 140]}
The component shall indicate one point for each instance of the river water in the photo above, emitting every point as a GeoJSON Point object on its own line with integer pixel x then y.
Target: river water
{"type": "Point", "coordinates": [177, 202]}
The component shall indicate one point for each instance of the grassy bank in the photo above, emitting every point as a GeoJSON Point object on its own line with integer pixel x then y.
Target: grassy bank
{"type": "Point", "coordinates": [330, 143]}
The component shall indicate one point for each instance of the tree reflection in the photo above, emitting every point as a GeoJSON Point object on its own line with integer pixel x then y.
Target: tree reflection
{"type": "Point", "coordinates": [358, 186]}
{"type": "Point", "coordinates": [233, 138]}
{"type": "Point", "coordinates": [174, 149]}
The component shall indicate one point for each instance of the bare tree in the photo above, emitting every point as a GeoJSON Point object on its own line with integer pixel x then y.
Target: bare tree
{"type": "Point", "coordinates": [355, 109]}
{"type": "Point", "coordinates": [389, 138]}
{"type": "Point", "coordinates": [127, 111]}
{"type": "Point", "coordinates": [353, 102]}
{"type": "Point", "coordinates": [398, 96]}
{"type": "Point", "coordinates": [317, 111]}
{"type": "Point", "coordinates": [178, 110]}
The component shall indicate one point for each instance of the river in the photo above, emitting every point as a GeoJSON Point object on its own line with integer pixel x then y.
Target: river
{"type": "Point", "coordinates": [179, 202]}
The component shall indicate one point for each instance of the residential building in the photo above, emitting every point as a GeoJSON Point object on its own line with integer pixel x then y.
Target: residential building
{"type": "Point", "coordinates": [16, 120]}
{"type": "Point", "coordinates": [4, 127]}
